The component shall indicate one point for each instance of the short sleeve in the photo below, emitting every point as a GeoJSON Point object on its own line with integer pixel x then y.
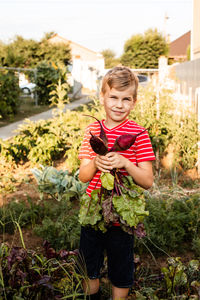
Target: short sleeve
{"type": "Point", "coordinates": [84, 151]}
{"type": "Point", "coordinates": [144, 150]}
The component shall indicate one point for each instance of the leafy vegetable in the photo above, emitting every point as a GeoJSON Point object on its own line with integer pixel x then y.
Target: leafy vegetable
{"type": "Point", "coordinates": [58, 183]}
{"type": "Point", "coordinates": [107, 181]}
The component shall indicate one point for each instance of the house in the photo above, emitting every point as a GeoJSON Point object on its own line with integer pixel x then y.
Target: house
{"type": "Point", "coordinates": [87, 65]}
{"type": "Point", "coordinates": [179, 47]}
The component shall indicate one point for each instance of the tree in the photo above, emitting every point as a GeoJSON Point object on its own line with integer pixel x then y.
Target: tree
{"type": "Point", "coordinates": [110, 59]}
{"type": "Point", "coordinates": [27, 53]}
{"type": "Point", "coordinates": [143, 51]}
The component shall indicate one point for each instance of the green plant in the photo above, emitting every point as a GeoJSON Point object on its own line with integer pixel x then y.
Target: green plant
{"type": "Point", "coordinates": [9, 94]}
{"type": "Point", "coordinates": [61, 230]}
{"type": "Point", "coordinates": [143, 50]}
{"type": "Point", "coordinates": [177, 280]}
{"type": "Point", "coordinates": [58, 183]}
{"type": "Point", "coordinates": [25, 274]}
{"type": "Point", "coordinates": [173, 221]}
{"type": "Point", "coordinates": [19, 213]}
{"type": "Point", "coordinates": [47, 76]}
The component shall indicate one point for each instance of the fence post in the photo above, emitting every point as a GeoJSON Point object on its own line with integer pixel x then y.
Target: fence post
{"type": "Point", "coordinates": [35, 93]}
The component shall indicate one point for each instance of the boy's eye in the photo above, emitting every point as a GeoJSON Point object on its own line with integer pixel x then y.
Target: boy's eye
{"type": "Point", "coordinates": [129, 99]}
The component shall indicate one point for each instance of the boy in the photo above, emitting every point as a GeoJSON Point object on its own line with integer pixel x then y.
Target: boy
{"type": "Point", "coordinates": [118, 96]}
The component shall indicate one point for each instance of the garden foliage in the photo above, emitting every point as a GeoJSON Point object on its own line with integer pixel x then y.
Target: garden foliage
{"type": "Point", "coordinates": [144, 50]}
{"type": "Point", "coordinates": [25, 274]}
{"type": "Point", "coordinates": [28, 53]}
{"type": "Point", "coordinates": [48, 77]}
{"type": "Point", "coordinates": [9, 93]}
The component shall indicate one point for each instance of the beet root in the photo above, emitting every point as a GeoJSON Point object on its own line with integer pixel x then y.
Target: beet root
{"type": "Point", "coordinates": [124, 142]}
{"type": "Point", "coordinates": [98, 145]}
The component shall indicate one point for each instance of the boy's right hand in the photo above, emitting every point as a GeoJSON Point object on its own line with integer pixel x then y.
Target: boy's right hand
{"type": "Point", "coordinates": [102, 163]}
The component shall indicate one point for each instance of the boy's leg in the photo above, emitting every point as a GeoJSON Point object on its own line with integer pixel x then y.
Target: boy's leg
{"type": "Point", "coordinates": [92, 253]}
{"type": "Point", "coordinates": [119, 293]}
{"type": "Point", "coordinates": [91, 286]}
{"type": "Point", "coordinates": [119, 246]}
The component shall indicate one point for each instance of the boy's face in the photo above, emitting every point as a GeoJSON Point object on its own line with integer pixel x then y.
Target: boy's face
{"type": "Point", "coordinates": [117, 105]}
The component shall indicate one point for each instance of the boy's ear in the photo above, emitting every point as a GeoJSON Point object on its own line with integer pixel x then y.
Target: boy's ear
{"type": "Point", "coordinates": [134, 102]}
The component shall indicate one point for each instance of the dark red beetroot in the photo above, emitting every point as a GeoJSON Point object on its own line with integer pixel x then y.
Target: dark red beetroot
{"type": "Point", "coordinates": [98, 145]}
{"type": "Point", "coordinates": [102, 132]}
{"type": "Point", "coordinates": [124, 142]}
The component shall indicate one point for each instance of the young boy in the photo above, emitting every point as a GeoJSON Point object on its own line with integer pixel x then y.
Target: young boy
{"type": "Point", "coordinates": [118, 96]}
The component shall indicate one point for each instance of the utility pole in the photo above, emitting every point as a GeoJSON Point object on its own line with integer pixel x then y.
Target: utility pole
{"type": "Point", "coordinates": [165, 27]}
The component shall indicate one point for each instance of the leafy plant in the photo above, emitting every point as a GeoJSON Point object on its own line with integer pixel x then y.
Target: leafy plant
{"type": "Point", "coordinates": [175, 281]}
{"type": "Point", "coordinates": [9, 94]}
{"type": "Point", "coordinates": [24, 274]}
{"type": "Point", "coordinates": [58, 183]}
{"type": "Point", "coordinates": [173, 222]}
{"type": "Point", "coordinates": [143, 50]}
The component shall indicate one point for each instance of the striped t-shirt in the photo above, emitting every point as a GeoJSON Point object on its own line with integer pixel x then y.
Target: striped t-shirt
{"type": "Point", "coordinates": [140, 151]}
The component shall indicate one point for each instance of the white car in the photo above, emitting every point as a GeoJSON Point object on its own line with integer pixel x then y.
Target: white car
{"type": "Point", "coordinates": [143, 79]}
{"type": "Point", "coordinates": [27, 88]}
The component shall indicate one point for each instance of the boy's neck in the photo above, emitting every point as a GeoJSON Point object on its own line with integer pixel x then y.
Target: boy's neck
{"type": "Point", "coordinates": [110, 124]}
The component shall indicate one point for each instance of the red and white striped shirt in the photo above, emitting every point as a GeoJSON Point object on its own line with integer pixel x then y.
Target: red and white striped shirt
{"type": "Point", "coordinates": [140, 151]}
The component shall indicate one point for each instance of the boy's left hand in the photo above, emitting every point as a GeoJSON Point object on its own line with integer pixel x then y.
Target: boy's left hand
{"type": "Point", "coordinates": [116, 160]}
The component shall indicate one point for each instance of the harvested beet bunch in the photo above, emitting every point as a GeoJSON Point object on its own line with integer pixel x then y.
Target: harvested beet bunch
{"type": "Point", "coordinates": [119, 199]}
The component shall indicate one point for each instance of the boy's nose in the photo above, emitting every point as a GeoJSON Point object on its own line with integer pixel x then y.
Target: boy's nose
{"type": "Point", "coordinates": [119, 103]}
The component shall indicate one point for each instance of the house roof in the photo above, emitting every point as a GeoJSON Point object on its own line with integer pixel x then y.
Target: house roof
{"type": "Point", "coordinates": [178, 48]}
{"type": "Point", "coordinates": [57, 38]}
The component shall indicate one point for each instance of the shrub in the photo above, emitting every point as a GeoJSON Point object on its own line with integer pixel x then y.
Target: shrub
{"type": "Point", "coordinates": [9, 94]}
{"type": "Point", "coordinates": [173, 222]}
{"type": "Point", "coordinates": [48, 76]}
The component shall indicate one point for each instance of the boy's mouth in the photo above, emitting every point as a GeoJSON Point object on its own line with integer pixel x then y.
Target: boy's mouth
{"type": "Point", "coordinates": [118, 112]}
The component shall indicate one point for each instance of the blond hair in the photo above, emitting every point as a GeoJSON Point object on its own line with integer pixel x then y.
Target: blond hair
{"type": "Point", "coordinates": [120, 78]}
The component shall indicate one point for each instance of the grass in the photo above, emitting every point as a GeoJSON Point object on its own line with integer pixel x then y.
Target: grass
{"type": "Point", "coordinates": [26, 110]}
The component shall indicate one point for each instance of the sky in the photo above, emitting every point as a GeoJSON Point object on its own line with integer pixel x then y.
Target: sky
{"type": "Point", "coordinates": [95, 24]}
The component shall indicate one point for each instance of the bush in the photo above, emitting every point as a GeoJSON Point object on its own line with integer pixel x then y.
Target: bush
{"type": "Point", "coordinates": [173, 223]}
{"type": "Point", "coordinates": [9, 94]}
{"type": "Point", "coordinates": [47, 78]}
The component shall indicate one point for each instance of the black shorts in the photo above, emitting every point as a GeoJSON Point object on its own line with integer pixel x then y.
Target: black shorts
{"type": "Point", "coordinates": [119, 248]}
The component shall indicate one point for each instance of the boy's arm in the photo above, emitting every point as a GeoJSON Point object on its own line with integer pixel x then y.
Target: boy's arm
{"type": "Point", "coordinates": [87, 169]}
{"type": "Point", "coordinates": [142, 173]}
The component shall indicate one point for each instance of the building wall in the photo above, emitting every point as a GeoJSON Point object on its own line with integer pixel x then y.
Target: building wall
{"type": "Point", "coordinates": [87, 65]}
{"type": "Point", "coordinates": [196, 29]}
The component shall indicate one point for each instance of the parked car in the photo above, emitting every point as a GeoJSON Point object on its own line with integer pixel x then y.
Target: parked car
{"type": "Point", "coordinates": [27, 88]}
{"type": "Point", "coordinates": [143, 79]}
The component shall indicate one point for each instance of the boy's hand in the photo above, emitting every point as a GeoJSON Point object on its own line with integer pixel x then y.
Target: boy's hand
{"type": "Point", "coordinates": [102, 163]}
{"type": "Point", "coordinates": [116, 160]}
{"type": "Point", "coordinates": [110, 161]}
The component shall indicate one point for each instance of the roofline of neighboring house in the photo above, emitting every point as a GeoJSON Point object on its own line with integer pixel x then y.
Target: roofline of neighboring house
{"type": "Point", "coordinates": [180, 43]}
{"type": "Point", "coordinates": [71, 42]}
